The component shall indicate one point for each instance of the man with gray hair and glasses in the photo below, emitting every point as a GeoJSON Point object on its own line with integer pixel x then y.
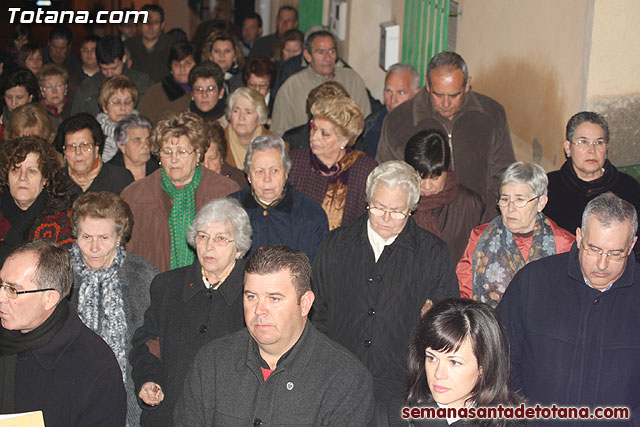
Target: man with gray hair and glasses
{"type": "Point", "coordinates": [573, 319]}
{"type": "Point", "coordinates": [49, 360]}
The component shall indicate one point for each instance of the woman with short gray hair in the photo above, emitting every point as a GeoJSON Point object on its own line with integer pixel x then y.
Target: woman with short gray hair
{"type": "Point", "coordinates": [521, 234]}
{"type": "Point", "coordinates": [132, 138]}
{"type": "Point", "coordinates": [280, 214]}
{"type": "Point", "coordinates": [191, 306]}
{"type": "Point", "coordinates": [392, 174]}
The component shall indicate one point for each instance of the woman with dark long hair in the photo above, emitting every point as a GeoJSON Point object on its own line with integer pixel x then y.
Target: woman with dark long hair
{"type": "Point", "coordinates": [458, 357]}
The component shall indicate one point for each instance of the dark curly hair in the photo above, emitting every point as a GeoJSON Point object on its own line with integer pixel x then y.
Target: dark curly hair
{"type": "Point", "coordinates": [76, 123]}
{"type": "Point", "coordinates": [15, 151]}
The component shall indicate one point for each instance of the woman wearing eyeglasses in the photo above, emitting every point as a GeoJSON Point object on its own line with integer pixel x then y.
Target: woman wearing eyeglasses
{"type": "Point", "coordinates": [332, 173]}
{"type": "Point", "coordinates": [165, 202]}
{"type": "Point", "coordinates": [521, 234]}
{"type": "Point", "coordinates": [53, 80]}
{"type": "Point", "coordinates": [190, 307]}
{"type": "Point", "coordinates": [117, 98]}
{"type": "Point", "coordinates": [374, 277]}
{"type": "Point", "coordinates": [587, 173]}
{"type": "Point", "coordinates": [208, 97]}
{"type": "Point", "coordinates": [81, 141]}
{"type": "Point", "coordinates": [110, 286]}
{"type": "Point", "coordinates": [35, 194]}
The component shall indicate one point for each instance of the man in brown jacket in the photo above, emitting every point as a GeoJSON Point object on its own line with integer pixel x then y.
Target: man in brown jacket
{"type": "Point", "coordinates": [477, 127]}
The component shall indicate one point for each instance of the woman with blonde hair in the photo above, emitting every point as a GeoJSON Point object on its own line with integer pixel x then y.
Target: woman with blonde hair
{"type": "Point", "coordinates": [331, 172]}
{"type": "Point", "coordinates": [247, 114]}
{"type": "Point", "coordinates": [117, 98]}
{"type": "Point", "coordinates": [54, 84]}
{"type": "Point", "coordinates": [30, 120]}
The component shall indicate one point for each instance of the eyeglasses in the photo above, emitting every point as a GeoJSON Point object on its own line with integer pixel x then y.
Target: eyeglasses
{"type": "Point", "coordinates": [393, 214]}
{"type": "Point", "coordinates": [584, 144]}
{"type": "Point", "coordinates": [83, 146]}
{"type": "Point", "coordinates": [13, 293]}
{"type": "Point", "coordinates": [518, 202]}
{"type": "Point", "coordinates": [54, 87]}
{"type": "Point", "coordinates": [614, 256]}
{"type": "Point", "coordinates": [181, 153]}
{"type": "Point", "coordinates": [203, 238]}
{"type": "Point", "coordinates": [202, 90]}
{"type": "Point", "coordinates": [119, 102]}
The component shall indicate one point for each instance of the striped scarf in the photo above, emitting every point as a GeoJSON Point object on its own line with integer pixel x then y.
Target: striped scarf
{"type": "Point", "coordinates": [183, 211]}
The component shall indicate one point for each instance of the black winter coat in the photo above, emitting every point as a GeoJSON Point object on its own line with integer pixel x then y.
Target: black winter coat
{"type": "Point", "coordinates": [75, 380]}
{"type": "Point", "coordinates": [571, 344]}
{"type": "Point", "coordinates": [569, 195]}
{"type": "Point", "coordinates": [372, 308]}
{"type": "Point", "coordinates": [185, 316]}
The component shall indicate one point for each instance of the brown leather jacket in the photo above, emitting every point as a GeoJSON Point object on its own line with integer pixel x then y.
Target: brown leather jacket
{"type": "Point", "coordinates": [151, 207]}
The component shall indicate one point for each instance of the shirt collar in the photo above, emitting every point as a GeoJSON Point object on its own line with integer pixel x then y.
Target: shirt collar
{"type": "Point", "coordinates": [377, 242]}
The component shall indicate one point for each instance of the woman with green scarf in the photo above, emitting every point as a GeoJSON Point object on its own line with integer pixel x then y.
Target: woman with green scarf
{"type": "Point", "coordinates": [165, 202]}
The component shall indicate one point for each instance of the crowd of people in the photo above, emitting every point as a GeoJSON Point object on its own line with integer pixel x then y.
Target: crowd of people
{"type": "Point", "coordinates": [232, 231]}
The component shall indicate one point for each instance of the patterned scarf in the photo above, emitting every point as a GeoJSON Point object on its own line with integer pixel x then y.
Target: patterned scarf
{"type": "Point", "coordinates": [183, 211]}
{"type": "Point", "coordinates": [497, 257]}
{"type": "Point", "coordinates": [336, 197]}
{"type": "Point", "coordinates": [101, 303]}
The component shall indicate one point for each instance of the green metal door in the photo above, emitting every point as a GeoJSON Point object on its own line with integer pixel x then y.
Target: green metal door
{"type": "Point", "coordinates": [426, 26]}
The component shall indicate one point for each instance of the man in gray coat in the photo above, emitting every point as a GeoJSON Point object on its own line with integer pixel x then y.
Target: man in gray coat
{"type": "Point", "coordinates": [280, 369]}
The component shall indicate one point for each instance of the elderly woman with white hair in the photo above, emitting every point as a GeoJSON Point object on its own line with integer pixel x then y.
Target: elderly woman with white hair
{"type": "Point", "coordinates": [191, 306]}
{"type": "Point", "coordinates": [522, 233]}
{"type": "Point", "coordinates": [247, 113]}
{"type": "Point", "coordinates": [280, 214]}
{"type": "Point", "coordinates": [373, 278]}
